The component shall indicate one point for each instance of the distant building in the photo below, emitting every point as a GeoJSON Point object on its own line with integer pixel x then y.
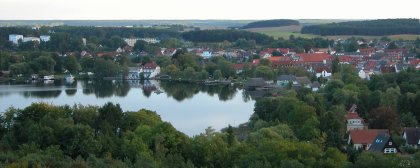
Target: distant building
{"type": "Point", "coordinates": [45, 38]}
{"type": "Point", "coordinates": [33, 39]}
{"type": "Point", "coordinates": [132, 41]}
{"type": "Point", "coordinates": [354, 121]}
{"type": "Point", "coordinates": [206, 54]}
{"type": "Point", "coordinates": [14, 38]}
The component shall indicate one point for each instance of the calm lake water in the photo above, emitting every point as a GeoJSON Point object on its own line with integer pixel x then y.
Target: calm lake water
{"type": "Point", "coordinates": [190, 108]}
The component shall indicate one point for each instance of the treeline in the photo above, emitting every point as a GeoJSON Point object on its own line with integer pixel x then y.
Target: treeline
{"type": "Point", "coordinates": [42, 135]}
{"type": "Point", "coordinates": [379, 27]}
{"type": "Point", "coordinates": [271, 23]}
{"type": "Point", "coordinates": [212, 36]}
{"type": "Point", "coordinates": [85, 31]}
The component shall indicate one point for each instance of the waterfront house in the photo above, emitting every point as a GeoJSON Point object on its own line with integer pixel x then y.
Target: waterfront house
{"type": "Point", "coordinates": [150, 70]}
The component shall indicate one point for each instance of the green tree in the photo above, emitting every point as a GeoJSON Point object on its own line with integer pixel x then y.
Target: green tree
{"type": "Point", "coordinates": [71, 64]}
{"type": "Point", "coordinates": [44, 63]}
{"type": "Point", "coordinates": [217, 74]}
{"type": "Point", "coordinates": [265, 72]}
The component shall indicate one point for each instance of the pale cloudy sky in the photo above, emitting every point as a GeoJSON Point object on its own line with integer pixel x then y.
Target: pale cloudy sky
{"type": "Point", "coordinates": [208, 9]}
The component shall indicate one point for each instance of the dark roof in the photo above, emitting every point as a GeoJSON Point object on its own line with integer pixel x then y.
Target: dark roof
{"type": "Point", "coordinates": [286, 78]}
{"type": "Point", "coordinates": [389, 69]}
{"type": "Point", "coordinates": [255, 82]}
{"type": "Point", "coordinates": [412, 135]}
{"type": "Point", "coordinates": [303, 80]}
{"type": "Point", "coordinates": [315, 84]}
{"type": "Point", "coordinates": [379, 143]}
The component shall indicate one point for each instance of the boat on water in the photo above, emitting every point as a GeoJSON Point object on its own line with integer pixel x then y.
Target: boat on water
{"type": "Point", "coordinates": [49, 77]}
{"type": "Point", "coordinates": [69, 78]}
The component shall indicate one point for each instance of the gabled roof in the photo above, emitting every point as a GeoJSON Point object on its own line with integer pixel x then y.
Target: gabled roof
{"type": "Point", "coordinates": [412, 135]}
{"type": "Point", "coordinates": [366, 136]}
{"type": "Point", "coordinates": [352, 114]}
{"type": "Point", "coordinates": [151, 65]}
{"type": "Point", "coordinates": [379, 143]}
{"type": "Point", "coordinates": [319, 69]}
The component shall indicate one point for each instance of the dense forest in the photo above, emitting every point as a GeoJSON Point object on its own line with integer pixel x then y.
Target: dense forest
{"type": "Point", "coordinates": [212, 36]}
{"type": "Point", "coordinates": [379, 27]}
{"type": "Point", "coordinates": [271, 23]}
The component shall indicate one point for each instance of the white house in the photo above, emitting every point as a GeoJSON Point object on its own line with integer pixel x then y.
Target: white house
{"type": "Point", "coordinates": [45, 38]}
{"type": "Point", "coordinates": [14, 38]}
{"type": "Point", "coordinates": [322, 72]}
{"type": "Point", "coordinates": [133, 73]}
{"type": "Point", "coordinates": [150, 70]}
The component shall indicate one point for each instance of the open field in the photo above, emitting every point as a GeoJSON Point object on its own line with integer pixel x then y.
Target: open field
{"type": "Point", "coordinates": [282, 32]}
{"type": "Point", "coordinates": [286, 31]}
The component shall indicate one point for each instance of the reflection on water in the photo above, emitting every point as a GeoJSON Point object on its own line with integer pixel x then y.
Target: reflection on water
{"type": "Point", "coordinates": [189, 107]}
{"type": "Point", "coordinates": [103, 89]}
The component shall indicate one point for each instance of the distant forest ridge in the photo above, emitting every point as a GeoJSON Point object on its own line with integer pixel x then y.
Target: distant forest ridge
{"type": "Point", "coordinates": [380, 27]}
{"type": "Point", "coordinates": [271, 23]}
{"type": "Point", "coordinates": [211, 36]}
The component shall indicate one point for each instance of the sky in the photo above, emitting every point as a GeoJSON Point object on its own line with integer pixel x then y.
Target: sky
{"type": "Point", "coordinates": [206, 9]}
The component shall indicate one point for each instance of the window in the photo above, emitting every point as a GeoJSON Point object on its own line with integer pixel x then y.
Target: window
{"type": "Point", "coordinates": [390, 150]}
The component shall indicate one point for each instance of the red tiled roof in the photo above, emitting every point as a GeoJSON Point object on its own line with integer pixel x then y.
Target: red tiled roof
{"type": "Point", "coordinates": [320, 69]}
{"type": "Point", "coordinates": [366, 136]}
{"type": "Point", "coordinates": [314, 57]}
{"type": "Point", "coordinates": [415, 62]}
{"type": "Point", "coordinates": [238, 66]}
{"type": "Point", "coordinates": [151, 65]}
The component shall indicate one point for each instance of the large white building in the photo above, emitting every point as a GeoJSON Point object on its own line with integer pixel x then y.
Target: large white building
{"type": "Point", "coordinates": [33, 39]}
{"type": "Point", "coordinates": [132, 41]}
{"type": "Point", "coordinates": [14, 38]}
{"type": "Point", "coordinates": [45, 38]}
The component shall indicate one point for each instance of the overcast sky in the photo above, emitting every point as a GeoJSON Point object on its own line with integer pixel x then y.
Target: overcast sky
{"type": "Point", "coordinates": [207, 9]}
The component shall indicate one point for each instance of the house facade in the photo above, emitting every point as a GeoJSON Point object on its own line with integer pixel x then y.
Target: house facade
{"type": "Point", "coordinates": [150, 70]}
{"type": "Point", "coordinates": [354, 121]}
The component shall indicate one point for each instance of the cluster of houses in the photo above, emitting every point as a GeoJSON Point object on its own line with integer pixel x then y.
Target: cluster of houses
{"type": "Point", "coordinates": [366, 62]}
{"type": "Point", "coordinates": [17, 38]}
{"type": "Point", "coordinates": [360, 137]}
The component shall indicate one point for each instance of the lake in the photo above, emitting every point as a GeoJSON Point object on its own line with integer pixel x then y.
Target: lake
{"type": "Point", "coordinates": [190, 108]}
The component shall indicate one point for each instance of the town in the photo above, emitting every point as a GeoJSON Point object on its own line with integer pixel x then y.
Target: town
{"type": "Point", "coordinates": [315, 102]}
